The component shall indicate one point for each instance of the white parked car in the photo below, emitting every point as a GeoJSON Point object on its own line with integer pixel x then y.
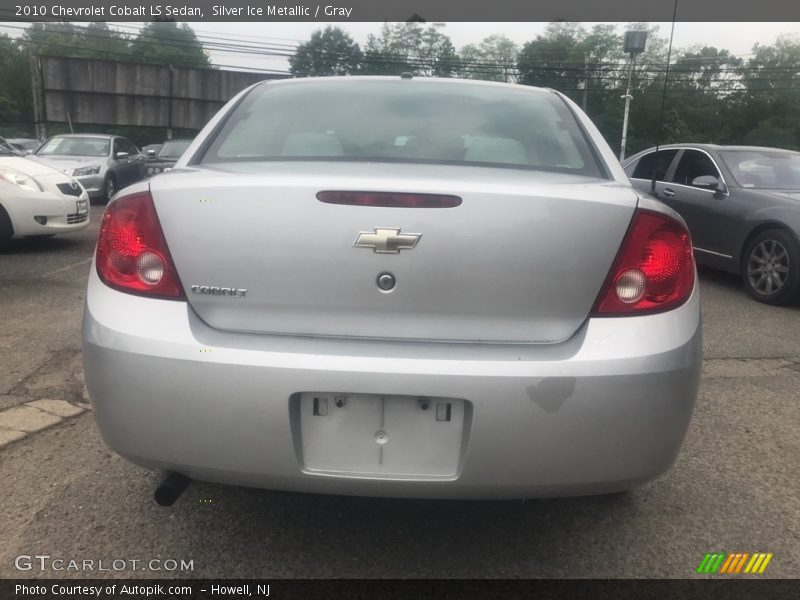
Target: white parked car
{"type": "Point", "coordinates": [36, 199]}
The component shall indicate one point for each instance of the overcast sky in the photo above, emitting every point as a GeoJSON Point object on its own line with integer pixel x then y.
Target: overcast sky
{"type": "Point", "coordinates": [738, 38]}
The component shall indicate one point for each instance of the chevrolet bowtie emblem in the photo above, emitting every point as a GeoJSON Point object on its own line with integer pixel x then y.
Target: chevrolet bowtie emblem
{"type": "Point", "coordinates": [387, 240]}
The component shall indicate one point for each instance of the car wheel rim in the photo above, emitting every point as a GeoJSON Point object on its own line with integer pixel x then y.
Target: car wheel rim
{"type": "Point", "coordinates": [768, 267]}
{"type": "Point", "coordinates": [110, 188]}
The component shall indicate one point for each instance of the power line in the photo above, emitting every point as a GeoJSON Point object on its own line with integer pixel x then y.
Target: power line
{"type": "Point", "coordinates": [606, 74]}
{"type": "Point", "coordinates": [127, 57]}
{"type": "Point", "coordinates": [287, 51]}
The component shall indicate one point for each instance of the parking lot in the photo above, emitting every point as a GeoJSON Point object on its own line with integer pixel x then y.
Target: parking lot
{"type": "Point", "coordinates": [734, 487]}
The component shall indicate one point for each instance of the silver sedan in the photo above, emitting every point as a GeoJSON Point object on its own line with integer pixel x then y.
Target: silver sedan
{"type": "Point", "coordinates": [102, 164]}
{"type": "Point", "coordinates": [395, 287]}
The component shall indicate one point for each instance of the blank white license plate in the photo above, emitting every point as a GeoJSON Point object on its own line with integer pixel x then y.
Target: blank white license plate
{"type": "Point", "coordinates": [381, 435]}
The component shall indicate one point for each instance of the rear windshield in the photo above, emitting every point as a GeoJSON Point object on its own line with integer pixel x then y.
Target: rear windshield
{"type": "Point", "coordinates": [405, 121]}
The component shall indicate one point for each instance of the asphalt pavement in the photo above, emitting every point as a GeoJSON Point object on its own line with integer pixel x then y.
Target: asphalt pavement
{"type": "Point", "coordinates": [735, 486]}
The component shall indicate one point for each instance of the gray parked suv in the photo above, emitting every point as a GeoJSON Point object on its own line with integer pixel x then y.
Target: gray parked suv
{"type": "Point", "coordinates": [102, 164]}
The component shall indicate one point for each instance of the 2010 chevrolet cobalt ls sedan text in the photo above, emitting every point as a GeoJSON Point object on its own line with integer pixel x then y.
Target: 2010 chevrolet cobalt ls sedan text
{"type": "Point", "coordinates": [395, 287]}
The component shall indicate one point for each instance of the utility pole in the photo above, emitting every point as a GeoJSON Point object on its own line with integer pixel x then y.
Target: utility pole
{"type": "Point", "coordinates": [633, 45]}
{"type": "Point", "coordinates": [171, 100]}
{"type": "Point", "coordinates": [585, 79]}
{"type": "Point", "coordinates": [37, 100]}
{"type": "Point", "coordinates": [628, 99]}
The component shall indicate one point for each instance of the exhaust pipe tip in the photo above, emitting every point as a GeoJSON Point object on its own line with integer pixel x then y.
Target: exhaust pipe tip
{"type": "Point", "coordinates": [171, 488]}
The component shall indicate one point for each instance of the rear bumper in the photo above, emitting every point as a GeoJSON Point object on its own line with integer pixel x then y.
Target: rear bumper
{"type": "Point", "coordinates": [605, 411]}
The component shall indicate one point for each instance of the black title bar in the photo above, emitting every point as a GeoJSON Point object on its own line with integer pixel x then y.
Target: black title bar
{"type": "Point", "coordinates": [400, 10]}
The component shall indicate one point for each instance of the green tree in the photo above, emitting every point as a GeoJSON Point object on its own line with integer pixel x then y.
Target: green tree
{"type": "Point", "coordinates": [166, 42]}
{"type": "Point", "coordinates": [706, 69]}
{"type": "Point", "coordinates": [54, 39]}
{"type": "Point", "coordinates": [675, 130]}
{"type": "Point", "coordinates": [775, 131]}
{"type": "Point", "coordinates": [104, 42]}
{"type": "Point", "coordinates": [96, 40]}
{"type": "Point", "coordinates": [438, 52]}
{"type": "Point", "coordinates": [493, 59]}
{"type": "Point", "coordinates": [160, 42]}
{"type": "Point", "coordinates": [412, 47]}
{"type": "Point", "coordinates": [584, 65]}
{"type": "Point", "coordinates": [390, 52]}
{"type": "Point", "coordinates": [554, 59]}
{"type": "Point", "coordinates": [702, 91]}
{"type": "Point", "coordinates": [601, 50]}
{"type": "Point", "coordinates": [770, 98]}
{"type": "Point", "coordinates": [328, 52]}
{"type": "Point", "coordinates": [15, 86]}
{"type": "Point", "coordinates": [775, 68]}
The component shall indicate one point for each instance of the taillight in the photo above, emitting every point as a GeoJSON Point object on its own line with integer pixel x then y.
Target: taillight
{"type": "Point", "coordinates": [390, 199]}
{"type": "Point", "coordinates": [132, 254]}
{"type": "Point", "coordinates": [654, 270]}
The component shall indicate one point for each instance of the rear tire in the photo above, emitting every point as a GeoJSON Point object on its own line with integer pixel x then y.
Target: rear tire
{"type": "Point", "coordinates": [6, 228]}
{"type": "Point", "coordinates": [771, 267]}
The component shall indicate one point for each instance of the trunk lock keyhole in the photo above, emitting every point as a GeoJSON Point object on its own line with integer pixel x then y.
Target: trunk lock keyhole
{"type": "Point", "coordinates": [386, 282]}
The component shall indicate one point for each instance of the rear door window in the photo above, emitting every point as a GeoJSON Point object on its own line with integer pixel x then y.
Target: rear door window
{"type": "Point", "coordinates": [643, 168]}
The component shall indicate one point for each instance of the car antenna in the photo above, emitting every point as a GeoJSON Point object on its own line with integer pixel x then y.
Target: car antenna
{"type": "Point", "coordinates": [663, 97]}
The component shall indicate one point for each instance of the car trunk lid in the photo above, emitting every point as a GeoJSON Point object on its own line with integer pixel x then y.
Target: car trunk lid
{"type": "Point", "coordinates": [521, 259]}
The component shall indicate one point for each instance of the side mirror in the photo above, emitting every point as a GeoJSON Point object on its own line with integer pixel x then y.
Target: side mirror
{"type": "Point", "coordinates": [707, 182]}
{"type": "Point", "coordinates": [151, 153]}
{"type": "Point", "coordinates": [121, 155]}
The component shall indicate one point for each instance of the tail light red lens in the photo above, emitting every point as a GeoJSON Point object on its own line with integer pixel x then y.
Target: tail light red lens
{"type": "Point", "coordinates": [389, 199]}
{"type": "Point", "coordinates": [132, 254]}
{"type": "Point", "coordinates": [654, 270]}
